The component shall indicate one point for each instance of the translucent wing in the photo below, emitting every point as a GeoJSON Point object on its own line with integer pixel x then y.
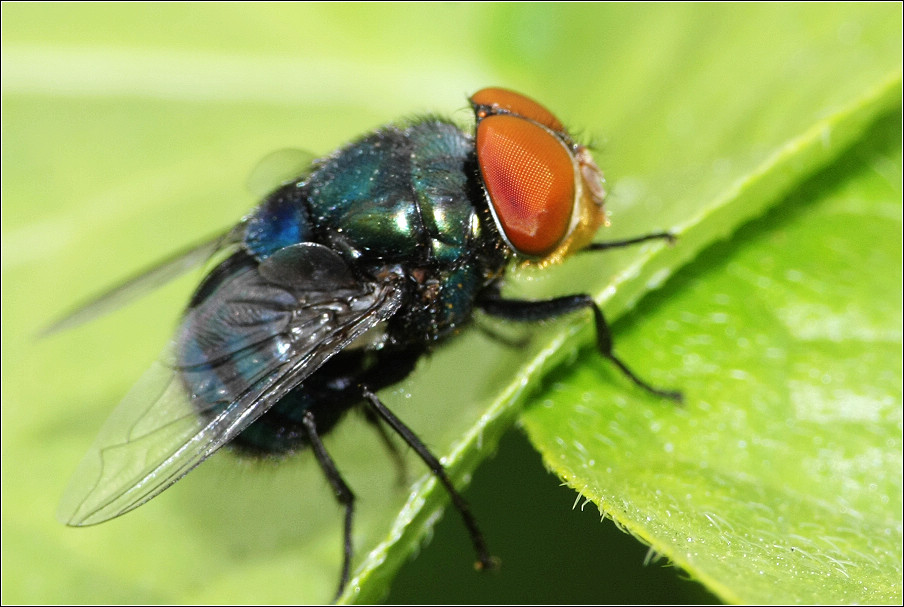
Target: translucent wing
{"type": "Point", "coordinates": [255, 337]}
{"type": "Point", "coordinates": [275, 169]}
{"type": "Point", "coordinates": [145, 281]}
{"type": "Point", "coordinates": [278, 168]}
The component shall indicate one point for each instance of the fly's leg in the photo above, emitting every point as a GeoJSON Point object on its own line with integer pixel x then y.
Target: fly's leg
{"type": "Point", "coordinates": [392, 366]}
{"type": "Point", "coordinates": [401, 467]}
{"type": "Point", "coordinates": [521, 310]}
{"type": "Point", "coordinates": [484, 560]}
{"type": "Point", "coordinates": [617, 244]}
{"type": "Point", "coordinates": [344, 495]}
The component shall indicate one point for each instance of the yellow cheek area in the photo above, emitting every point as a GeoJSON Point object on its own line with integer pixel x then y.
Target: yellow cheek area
{"type": "Point", "coordinates": [589, 208]}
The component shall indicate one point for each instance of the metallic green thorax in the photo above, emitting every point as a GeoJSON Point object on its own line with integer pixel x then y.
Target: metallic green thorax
{"type": "Point", "coordinates": [406, 196]}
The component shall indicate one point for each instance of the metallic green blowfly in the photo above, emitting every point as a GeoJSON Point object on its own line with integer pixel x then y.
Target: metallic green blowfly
{"type": "Point", "coordinates": [336, 284]}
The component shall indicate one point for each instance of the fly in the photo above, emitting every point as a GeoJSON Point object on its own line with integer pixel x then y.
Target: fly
{"type": "Point", "coordinates": [335, 285]}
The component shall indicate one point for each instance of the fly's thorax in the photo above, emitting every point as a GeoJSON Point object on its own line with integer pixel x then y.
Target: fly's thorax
{"type": "Point", "coordinates": [407, 197]}
{"type": "Point", "coordinates": [399, 195]}
{"type": "Point", "coordinates": [439, 301]}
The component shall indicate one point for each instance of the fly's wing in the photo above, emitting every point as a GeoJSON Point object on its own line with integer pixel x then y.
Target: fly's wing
{"type": "Point", "coordinates": [153, 277]}
{"type": "Point", "coordinates": [275, 169]}
{"type": "Point", "coordinates": [279, 168]}
{"type": "Point", "coordinates": [252, 340]}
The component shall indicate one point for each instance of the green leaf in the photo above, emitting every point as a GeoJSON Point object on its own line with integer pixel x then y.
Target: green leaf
{"type": "Point", "coordinates": [780, 480]}
{"type": "Point", "coordinates": [130, 130]}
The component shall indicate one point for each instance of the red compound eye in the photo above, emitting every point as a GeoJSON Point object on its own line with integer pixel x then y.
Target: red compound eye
{"type": "Point", "coordinates": [516, 103]}
{"type": "Point", "coordinates": [529, 174]}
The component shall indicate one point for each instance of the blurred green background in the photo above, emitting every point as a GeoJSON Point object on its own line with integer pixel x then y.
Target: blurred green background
{"type": "Point", "coordinates": [130, 130]}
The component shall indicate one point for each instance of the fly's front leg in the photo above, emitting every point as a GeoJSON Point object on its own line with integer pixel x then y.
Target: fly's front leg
{"type": "Point", "coordinates": [522, 310]}
{"type": "Point", "coordinates": [617, 244]}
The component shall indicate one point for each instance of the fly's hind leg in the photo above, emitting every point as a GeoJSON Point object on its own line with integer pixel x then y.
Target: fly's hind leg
{"type": "Point", "coordinates": [396, 455]}
{"type": "Point", "coordinates": [342, 491]}
{"type": "Point", "coordinates": [484, 560]}
{"type": "Point", "coordinates": [392, 366]}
